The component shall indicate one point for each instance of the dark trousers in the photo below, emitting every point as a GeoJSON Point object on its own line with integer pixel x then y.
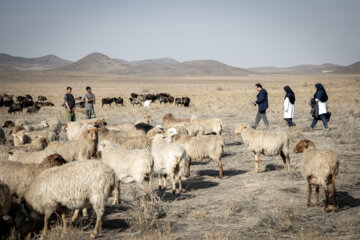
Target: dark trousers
{"type": "Point", "coordinates": [289, 122]}
{"type": "Point", "coordinates": [323, 118]}
{"type": "Point", "coordinates": [261, 115]}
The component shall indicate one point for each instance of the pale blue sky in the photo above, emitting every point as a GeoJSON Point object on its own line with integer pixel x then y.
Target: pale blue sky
{"type": "Point", "coordinates": [240, 33]}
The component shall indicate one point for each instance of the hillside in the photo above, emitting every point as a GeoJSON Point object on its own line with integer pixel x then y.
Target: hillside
{"type": "Point", "coordinates": [351, 69]}
{"type": "Point", "coordinates": [299, 69]}
{"type": "Point", "coordinates": [11, 63]}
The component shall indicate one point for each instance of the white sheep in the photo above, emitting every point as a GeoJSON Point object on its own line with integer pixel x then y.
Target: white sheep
{"type": "Point", "coordinates": [129, 165]}
{"type": "Point", "coordinates": [200, 147]}
{"type": "Point", "coordinates": [28, 157]}
{"type": "Point", "coordinates": [83, 148]}
{"type": "Point", "coordinates": [169, 120]}
{"type": "Point", "coordinates": [169, 159]}
{"type": "Point", "coordinates": [5, 199]}
{"type": "Point", "coordinates": [19, 176]}
{"type": "Point", "coordinates": [319, 168]}
{"type": "Point", "coordinates": [28, 127]}
{"type": "Point", "coordinates": [213, 125]}
{"type": "Point", "coordinates": [147, 104]}
{"type": "Point", "coordinates": [37, 144]}
{"type": "Point", "coordinates": [193, 128]}
{"type": "Point", "coordinates": [74, 129]}
{"type": "Point", "coordinates": [74, 186]}
{"type": "Point", "coordinates": [266, 143]}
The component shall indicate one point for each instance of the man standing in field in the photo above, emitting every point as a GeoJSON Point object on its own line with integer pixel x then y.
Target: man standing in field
{"type": "Point", "coordinates": [89, 103]}
{"type": "Point", "coordinates": [262, 102]}
{"type": "Point", "coordinates": [69, 106]}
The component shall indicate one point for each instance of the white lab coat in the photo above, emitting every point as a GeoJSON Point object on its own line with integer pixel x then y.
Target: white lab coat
{"type": "Point", "coordinates": [289, 109]}
{"type": "Point", "coordinates": [322, 106]}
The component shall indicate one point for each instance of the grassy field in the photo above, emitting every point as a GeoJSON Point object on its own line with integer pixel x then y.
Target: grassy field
{"type": "Point", "coordinates": [270, 204]}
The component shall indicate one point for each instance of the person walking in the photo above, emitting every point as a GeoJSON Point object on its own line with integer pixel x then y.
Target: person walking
{"type": "Point", "coordinates": [262, 102]}
{"type": "Point", "coordinates": [69, 106]}
{"type": "Point", "coordinates": [321, 98]}
{"type": "Point", "coordinates": [289, 107]}
{"type": "Point", "coordinates": [89, 103]}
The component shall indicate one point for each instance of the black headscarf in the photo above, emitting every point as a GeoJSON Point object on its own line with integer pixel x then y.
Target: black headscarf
{"type": "Point", "coordinates": [320, 93]}
{"type": "Point", "coordinates": [289, 94]}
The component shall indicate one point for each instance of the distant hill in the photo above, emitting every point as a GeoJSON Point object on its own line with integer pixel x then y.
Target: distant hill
{"type": "Point", "coordinates": [299, 69]}
{"type": "Point", "coordinates": [158, 61]}
{"type": "Point", "coordinates": [97, 62]}
{"type": "Point", "coordinates": [11, 63]}
{"type": "Point", "coordinates": [351, 69]}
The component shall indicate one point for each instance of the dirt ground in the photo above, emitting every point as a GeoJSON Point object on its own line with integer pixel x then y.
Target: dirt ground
{"type": "Point", "coordinates": [270, 204]}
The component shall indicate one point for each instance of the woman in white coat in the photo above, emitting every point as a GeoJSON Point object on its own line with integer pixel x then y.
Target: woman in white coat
{"type": "Point", "coordinates": [321, 98]}
{"type": "Point", "coordinates": [289, 107]}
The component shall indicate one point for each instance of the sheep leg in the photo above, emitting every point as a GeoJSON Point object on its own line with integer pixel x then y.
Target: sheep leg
{"type": "Point", "coordinates": [98, 225]}
{"type": "Point", "coordinates": [164, 186]}
{"type": "Point", "coordinates": [63, 218]}
{"type": "Point", "coordinates": [309, 195]}
{"type": "Point", "coordinates": [326, 198]}
{"type": "Point", "coordinates": [188, 168]}
{"type": "Point", "coordinates": [334, 192]}
{"type": "Point", "coordinates": [221, 173]}
{"type": "Point", "coordinates": [84, 212]}
{"type": "Point", "coordinates": [159, 181]}
{"type": "Point", "coordinates": [180, 186]}
{"type": "Point", "coordinates": [151, 192]}
{"type": "Point", "coordinates": [117, 191]}
{"type": "Point", "coordinates": [286, 160]}
{"type": "Point", "coordinates": [317, 196]}
{"type": "Point", "coordinates": [75, 216]}
{"type": "Point", "coordinates": [256, 162]}
{"type": "Point", "coordinates": [46, 224]}
{"type": "Point", "coordinates": [143, 195]}
{"type": "Point", "coordinates": [173, 182]}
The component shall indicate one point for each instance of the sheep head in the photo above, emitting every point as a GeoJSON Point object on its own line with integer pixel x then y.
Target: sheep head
{"type": "Point", "coordinates": [241, 127]}
{"type": "Point", "coordinates": [303, 145]}
{"type": "Point", "coordinates": [104, 144]}
{"type": "Point", "coordinates": [52, 161]}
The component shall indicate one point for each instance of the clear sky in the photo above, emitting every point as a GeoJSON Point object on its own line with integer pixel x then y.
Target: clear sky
{"type": "Point", "coordinates": [239, 33]}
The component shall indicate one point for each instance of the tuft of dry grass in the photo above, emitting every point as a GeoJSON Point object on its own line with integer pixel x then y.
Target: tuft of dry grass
{"type": "Point", "coordinates": [197, 214]}
{"type": "Point", "coordinates": [233, 206]}
{"type": "Point", "coordinates": [310, 235]}
{"type": "Point", "coordinates": [220, 236]}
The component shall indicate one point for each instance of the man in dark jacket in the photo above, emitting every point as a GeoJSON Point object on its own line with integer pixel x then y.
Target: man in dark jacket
{"type": "Point", "coordinates": [262, 102]}
{"type": "Point", "coordinates": [69, 106]}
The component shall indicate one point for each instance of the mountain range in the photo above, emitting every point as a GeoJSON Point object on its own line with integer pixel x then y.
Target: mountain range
{"type": "Point", "coordinates": [98, 62]}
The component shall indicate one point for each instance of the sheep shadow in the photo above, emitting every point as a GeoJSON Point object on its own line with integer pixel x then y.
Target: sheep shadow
{"type": "Point", "coordinates": [235, 143]}
{"type": "Point", "coordinates": [345, 201]}
{"type": "Point", "coordinates": [273, 167]}
{"type": "Point", "coordinates": [168, 196]}
{"type": "Point", "coordinates": [215, 173]}
{"type": "Point", "coordinates": [118, 224]}
{"type": "Point", "coordinates": [199, 163]}
{"type": "Point", "coordinates": [224, 155]}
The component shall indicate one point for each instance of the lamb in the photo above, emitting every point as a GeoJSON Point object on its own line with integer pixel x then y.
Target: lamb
{"type": "Point", "coordinates": [266, 143]}
{"type": "Point", "coordinates": [129, 165]}
{"type": "Point", "coordinates": [192, 128]}
{"type": "Point", "coordinates": [169, 159]}
{"type": "Point", "coordinates": [169, 120]}
{"type": "Point", "coordinates": [81, 149]}
{"type": "Point", "coordinates": [19, 176]}
{"type": "Point", "coordinates": [47, 133]}
{"type": "Point", "coordinates": [213, 125]}
{"type": "Point", "coordinates": [2, 136]}
{"type": "Point", "coordinates": [5, 199]}
{"type": "Point", "coordinates": [206, 146]}
{"type": "Point", "coordinates": [319, 168]}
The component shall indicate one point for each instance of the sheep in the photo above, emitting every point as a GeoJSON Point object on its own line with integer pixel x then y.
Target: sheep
{"type": "Point", "coordinates": [74, 129]}
{"type": "Point", "coordinates": [12, 130]}
{"type": "Point", "coordinates": [5, 199]}
{"type": "Point", "coordinates": [266, 143]}
{"type": "Point", "coordinates": [2, 136]}
{"type": "Point", "coordinates": [147, 104]}
{"type": "Point", "coordinates": [129, 165]}
{"type": "Point", "coordinates": [74, 186]}
{"type": "Point", "coordinates": [19, 176]}
{"type": "Point", "coordinates": [169, 159]}
{"type": "Point", "coordinates": [8, 124]}
{"type": "Point", "coordinates": [132, 142]}
{"type": "Point", "coordinates": [169, 120]}
{"type": "Point", "coordinates": [319, 168]}
{"type": "Point", "coordinates": [192, 128]}
{"type": "Point", "coordinates": [213, 125]}
{"type": "Point", "coordinates": [205, 146]}
{"type": "Point", "coordinates": [47, 133]}
{"type": "Point", "coordinates": [125, 127]}
{"type": "Point", "coordinates": [81, 149]}
{"type": "Point", "coordinates": [37, 144]}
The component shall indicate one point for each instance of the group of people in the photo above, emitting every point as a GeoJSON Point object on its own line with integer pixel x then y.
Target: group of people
{"type": "Point", "coordinates": [318, 107]}
{"type": "Point", "coordinates": [318, 111]}
{"type": "Point", "coordinates": [69, 99]}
